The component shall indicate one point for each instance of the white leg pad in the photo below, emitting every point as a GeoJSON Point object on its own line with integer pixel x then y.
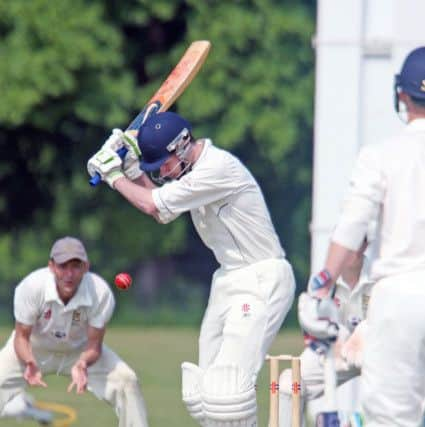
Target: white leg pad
{"type": "Point", "coordinates": [191, 390]}
{"type": "Point", "coordinates": [229, 397]}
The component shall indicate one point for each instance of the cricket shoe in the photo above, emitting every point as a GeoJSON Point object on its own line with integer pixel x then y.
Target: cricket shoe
{"type": "Point", "coordinates": [21, 407]}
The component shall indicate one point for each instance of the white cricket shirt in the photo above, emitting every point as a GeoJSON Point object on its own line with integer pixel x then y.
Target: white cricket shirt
{"type": "Point", "coordinates": [388, 184]}
{"type": "Point", "coordinates": [59, 327]}
{"type": "Point", "coordinates": [227, 209]}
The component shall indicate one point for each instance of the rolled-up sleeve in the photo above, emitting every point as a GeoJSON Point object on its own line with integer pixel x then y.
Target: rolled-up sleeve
{"type": "Point", "coordinates": [102, 312]}
{"type": "Point", "coordinates": [26, 304]}
{"type": "Point", "coordinates": [198, 188]}
{"type": "Point", "coordinates": [164, 214]}
{"type": "Point", "coordinates": [363, 202]}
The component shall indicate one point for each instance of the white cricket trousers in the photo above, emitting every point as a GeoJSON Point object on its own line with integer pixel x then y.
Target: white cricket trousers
{"type": "Point", "coordinates": [245, 311]}
{"type": "Point", "coordinates": [109, 379]}
{"type": "Point", "coordinates": [393, 370]}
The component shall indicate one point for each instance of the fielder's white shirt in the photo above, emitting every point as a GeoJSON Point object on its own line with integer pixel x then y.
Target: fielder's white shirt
{"type": "Point", "coordinates": [58, 327]}
{"type": "Point", "coordinates": [388, 185]}
{"type": "Point", "coordinates": [227, 209]}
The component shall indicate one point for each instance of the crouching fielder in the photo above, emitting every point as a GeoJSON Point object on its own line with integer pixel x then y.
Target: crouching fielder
{"type": "Point", "coordinates": [351, 296]}
{"type": "Point", "coordinates": [252, 290]}
{"type": "Point", "coordinates": [61, 313]}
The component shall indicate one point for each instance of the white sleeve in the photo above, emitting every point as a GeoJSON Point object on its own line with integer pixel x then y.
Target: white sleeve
{"type": "Point", "coordinates": [198, 188]}
{"type": "Point", "coordinates": [363, 203]}
{"type": "Point", "coordinates": [26, 303]}
{"type": "Point", "coordinates": [102, 311]}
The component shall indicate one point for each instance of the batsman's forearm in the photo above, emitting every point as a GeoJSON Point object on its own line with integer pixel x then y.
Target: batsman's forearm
{"type": "Point", "coordinates": [145, 181]}
{"type": "Point", "coordinates": [337, 259]}
{"type": "Point", "coordinates": [137, 195]}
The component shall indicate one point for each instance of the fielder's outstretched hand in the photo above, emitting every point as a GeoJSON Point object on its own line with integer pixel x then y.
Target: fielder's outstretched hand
{"type": "Point", "coordinates": [79, 377]}
{"type": "Point", "coordinates": [33, 375]}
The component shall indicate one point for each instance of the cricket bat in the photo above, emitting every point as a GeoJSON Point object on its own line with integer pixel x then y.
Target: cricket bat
{"type": "Point", "coordinates": [329, 417]}
{"type": "Point", "coordinates": [174, 85]}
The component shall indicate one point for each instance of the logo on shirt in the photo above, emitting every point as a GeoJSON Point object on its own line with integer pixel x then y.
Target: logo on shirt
{"type": "Point", "coordinates": [76, 316]}
{"type": "Point", "coordinates": [246, 310]}
{"type": "Point", "coordinates": [59, 334]}
{"type": "Point", "coordinates": [47, 314]}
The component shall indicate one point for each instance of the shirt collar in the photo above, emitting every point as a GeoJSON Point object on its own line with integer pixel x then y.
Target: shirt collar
{"type": "Point", "coordinates": [207, 144]}
{"type": "Point", "coordinates": [81, 298]}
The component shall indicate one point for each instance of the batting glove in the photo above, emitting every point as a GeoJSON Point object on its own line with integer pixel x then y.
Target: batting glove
{"type": "Point", "coordinates": [115, 140]}
{"type": "Point", "coordinates": [320, 347]}
{"type": "Point", "coordinates": [319, 318]}
{"type": "Point", "coordinates": [107, 163]}
{"type": "Point", "coordinates": [132, 159]}
{"type": "Point", "coordinates": [119, 139]}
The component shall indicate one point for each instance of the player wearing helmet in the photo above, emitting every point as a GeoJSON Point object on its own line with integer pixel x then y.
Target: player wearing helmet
{"type": "Point", "coordinates": [253, 288]}
{"type": "Point", "coordinates": [387, 185]}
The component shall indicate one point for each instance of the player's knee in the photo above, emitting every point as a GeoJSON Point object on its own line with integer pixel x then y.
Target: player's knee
{"type": "Point", "coordinates": [125, 376]}
{"type": "Point", "coordinates": [229, 397]}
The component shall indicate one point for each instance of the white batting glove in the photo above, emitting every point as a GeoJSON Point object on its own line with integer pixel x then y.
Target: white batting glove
{"type": "Point", "coordinates": [107, 163]}
{"type": "Point", "coordinates": [119, 139]}
{"type": "Point", "coordinates": [132, 158]}
{"type": "Point", "coordinates": [115, 140]}
{"type": "Point", "coordinates": [319, 318]}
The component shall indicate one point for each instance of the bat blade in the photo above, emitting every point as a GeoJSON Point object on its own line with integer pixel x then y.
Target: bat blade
{"type": "Point", "coordinates": [174, 85]}
{"type": "Point", "coordinates": [329, 417]}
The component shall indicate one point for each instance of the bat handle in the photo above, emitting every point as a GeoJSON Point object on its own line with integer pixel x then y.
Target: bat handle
{"type": "Point", "coordinates": [94, 180]}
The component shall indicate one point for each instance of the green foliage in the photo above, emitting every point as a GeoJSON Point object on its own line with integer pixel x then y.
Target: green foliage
{"type": "Point", "coordinates": [54, 50]}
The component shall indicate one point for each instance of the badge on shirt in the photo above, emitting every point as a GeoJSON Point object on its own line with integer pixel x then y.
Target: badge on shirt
{"type": "Point", "coordinates": [47, 314]}
{"type": "Point", "coordinates": [76, 316]}
{"type": "Point", "coordinates": [246, 310]}
{"type": "Point", "coordinates": [365, 304]}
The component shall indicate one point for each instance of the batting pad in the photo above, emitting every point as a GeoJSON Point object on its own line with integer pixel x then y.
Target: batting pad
{"type": "Point", "coordinates": [229, 397]}
{"type": "Point", "coordinates": [191, 390]}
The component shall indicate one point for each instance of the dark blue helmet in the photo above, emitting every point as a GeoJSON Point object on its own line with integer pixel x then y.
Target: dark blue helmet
{"type": "Point", "coordinates": [158, 138]}
{"type": "Point", "coordinates": [411, 79]}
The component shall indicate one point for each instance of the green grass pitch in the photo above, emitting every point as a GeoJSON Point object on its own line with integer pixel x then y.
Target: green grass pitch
{"type": "Point", "coordinates": [155, 354]}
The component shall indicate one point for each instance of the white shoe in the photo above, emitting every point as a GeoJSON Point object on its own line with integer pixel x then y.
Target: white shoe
{"type": "Point", "coordinates": [21, 407]}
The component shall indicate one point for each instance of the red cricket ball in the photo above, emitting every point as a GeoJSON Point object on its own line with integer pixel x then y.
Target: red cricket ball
{"type": "Point", "coordinates": [123, 281]}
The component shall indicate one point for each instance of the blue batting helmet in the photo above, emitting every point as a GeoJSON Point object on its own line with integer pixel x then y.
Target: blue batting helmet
{"type": "Point", "coordinates": [411, 79]}
{"type": "Point", "coordinates": [157, 138]}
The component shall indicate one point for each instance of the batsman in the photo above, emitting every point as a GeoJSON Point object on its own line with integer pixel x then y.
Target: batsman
{"type": "Point", "coordinates": [167, 172]}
